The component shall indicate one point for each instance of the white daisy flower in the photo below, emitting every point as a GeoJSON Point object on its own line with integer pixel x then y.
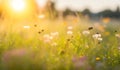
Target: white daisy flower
{"type": "Point", "coordinates": [117, 35]}
{"type": "Point", "coordinates": [86, 32]}
{"type": "Point", "coordinates": [70, 27]}
{"type": "Point", "coordinates": [100, 39]}
{"type": "Point", "coordinates": [54, 34]}
{"type": "Point", "coordinates": [69, 32]}
{"type": "Point", "coordinates": [26, 27]}
{"type": "Point", "coordinates": [96, 36]}
{"type": "Point", "coordinates": [47, 38]}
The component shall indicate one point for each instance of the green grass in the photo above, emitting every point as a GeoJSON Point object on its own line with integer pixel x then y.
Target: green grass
{"type": "Point", "coordinates": [25, 49]}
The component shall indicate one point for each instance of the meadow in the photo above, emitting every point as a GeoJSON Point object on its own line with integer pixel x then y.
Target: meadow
{"type": "Point", "coordinates": [69, 44]}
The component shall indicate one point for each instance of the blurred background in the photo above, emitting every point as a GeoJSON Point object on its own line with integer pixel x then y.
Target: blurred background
{"type": "Point", "coordinates": [59, 34]}
{"type": "Point", "coordinates": [94, 9]}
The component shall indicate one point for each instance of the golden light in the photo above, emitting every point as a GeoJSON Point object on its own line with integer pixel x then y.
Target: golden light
{"type": "Point", "coordinates": [18, 5]}
{"type": "Point", "coordinates": [19, 9]}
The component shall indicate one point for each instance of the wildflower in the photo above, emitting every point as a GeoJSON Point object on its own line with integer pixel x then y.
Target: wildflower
{"type": "Point", "coordinates": [47, 41]}
{"type": "Point", "coordinates": [72, 36]}
{"type": "Point", "coordinates": [39, 32]}
{"type": "Point", "coordinates": [118, 48]}
{"type": "Point", "coordinates": [90, 28]}
{"type": "Point", "coordinates": [42, 30]}
{"type": "Point", "coordinates": [99, 35]}
{"type": "Point", "coordinates": [79, 61]}
{"type": "Point", "coordinates": [69, 32]}
{"type": "Point", "coordinates": [86, 32]}
{"type": "Point", "coordinates": [68, 39]}
{"type": "Point", "coordinates": [117, 35]}
{"type": "Point", "coordinates": [50, 37]}
{"type": "Point", "coordinates": [97, 58]}
{"type": "Point", "coordinates": [47, 38]}
{"type": "Point", "coordinates": [100, 39]}
{"type": "Point", "coordinates": [96, 36]}
{"type": "Point", "coordinates": [54, 34]}
{"type": "Point", "coordinates": [70, 27]}
{"type": "Point", "coordinates": [26, 27]}
{"type": "Point", "coordinates": [107, 33]}
{"type": "Point", "coordinates": [115, 31]}
{"type": "Point", "coordinates": [35, 25]}
{"type": "Point", "coordinates": [99, 42]}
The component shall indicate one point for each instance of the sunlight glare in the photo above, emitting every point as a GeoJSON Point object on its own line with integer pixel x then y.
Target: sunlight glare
{"type": "Point", "coordinates": [26, 27]}
{"type": "Point", "coordinates": [41, 16]}
{"type": "Point", "coordinates": [18, 5]}
{"type": "Point", "coordinates": [41, 3]}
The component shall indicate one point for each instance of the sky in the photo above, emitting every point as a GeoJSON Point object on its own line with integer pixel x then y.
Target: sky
{"type": "Point", "coordinates": [95, 6]}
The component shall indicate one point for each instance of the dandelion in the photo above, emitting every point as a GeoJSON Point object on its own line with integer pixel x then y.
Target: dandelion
{"type": "Point", "coordinates": [97, 58]}
{"type": "Point", "coordinates": [107, 33]}
{"type": "Point", "coordinates": [86, 32]}
{"type": "Point", "coordinates": [69, 32]}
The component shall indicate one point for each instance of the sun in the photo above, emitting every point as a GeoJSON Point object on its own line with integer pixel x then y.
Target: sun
{"type": "Point", "coordinates": [18, 9]}
{"type": "Point", "coordinates": [18, 5]}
